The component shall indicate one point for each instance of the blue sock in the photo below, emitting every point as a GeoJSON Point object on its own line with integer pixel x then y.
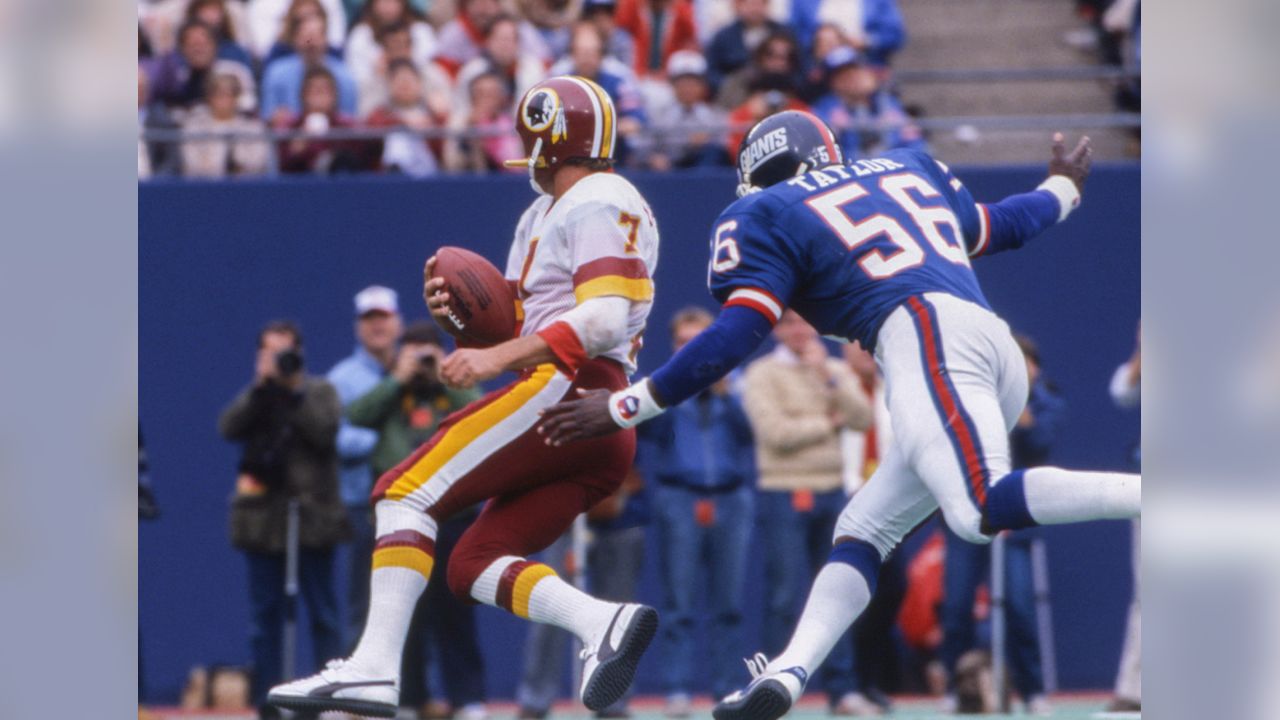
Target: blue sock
{"type": "Point", "coordinates": [861, 556]}
{"type": "Point", "coordinates": [1006, 507]}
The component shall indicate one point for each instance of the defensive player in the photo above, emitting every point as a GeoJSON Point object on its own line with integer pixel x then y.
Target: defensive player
{"type": "Point", "coordinates": [581, 264]}
{"type": "Point", "coordinates": [877, 251]}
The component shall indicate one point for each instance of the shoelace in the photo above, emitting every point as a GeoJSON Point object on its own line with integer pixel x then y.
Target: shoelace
{"type": "Point", "coordinates": [756, 664]}
{"type": "Point", "coordinates": [335, 665]}
{"type": "Point", "coordinates": [586, 652]}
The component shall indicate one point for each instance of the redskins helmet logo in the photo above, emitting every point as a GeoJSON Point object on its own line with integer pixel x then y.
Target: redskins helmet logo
{"type": "Point", "coordinates": [540, 110]}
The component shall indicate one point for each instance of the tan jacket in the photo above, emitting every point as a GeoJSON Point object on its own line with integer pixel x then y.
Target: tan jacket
{"type": "Point", "coordinates": [790, 407]}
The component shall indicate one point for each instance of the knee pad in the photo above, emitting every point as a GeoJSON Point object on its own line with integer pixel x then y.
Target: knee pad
{"type": "Point", "coordinates": [968, 525]}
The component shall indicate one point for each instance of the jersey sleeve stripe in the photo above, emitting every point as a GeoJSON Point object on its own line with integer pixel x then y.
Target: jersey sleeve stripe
{"type": "Point", "coordinates": [631, 268]}
{"type": "Point", "coordinates": [756, 299]}
{"type": "Point", "coordinates": [984, 232]}
{"type": "Point", "coordinates": [566, 345]}
{"type": "Point", "coordinates": [635, 289]}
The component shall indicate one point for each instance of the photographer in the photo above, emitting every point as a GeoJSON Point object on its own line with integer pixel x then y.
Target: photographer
{"type": "Point", "coordinates": [405, 408]}
{"type": "Point", "coordinates": [287, 421]}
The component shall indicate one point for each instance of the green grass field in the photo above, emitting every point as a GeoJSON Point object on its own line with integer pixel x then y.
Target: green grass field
{"type": "Point", "coordinates": [1066, 707]}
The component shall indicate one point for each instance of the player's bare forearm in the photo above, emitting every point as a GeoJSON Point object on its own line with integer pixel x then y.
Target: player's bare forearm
{"type": "Point", "coordinates": [467, 366]}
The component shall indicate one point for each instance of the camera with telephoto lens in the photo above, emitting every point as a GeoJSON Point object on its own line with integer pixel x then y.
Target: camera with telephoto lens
{"type": "Point", "coordinates": [289, 362]}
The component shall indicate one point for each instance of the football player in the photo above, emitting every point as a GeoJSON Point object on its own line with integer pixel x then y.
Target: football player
{"type": "Point", "coordinates": [581, 267]}
{"type": "Point", "coordinates": [876, 251]}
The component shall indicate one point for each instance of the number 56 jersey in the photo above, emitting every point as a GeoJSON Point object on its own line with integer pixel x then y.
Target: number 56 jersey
{"type": "Point", "coordinates": [598, 240]}
{"type": "Point", "coordinates": [846, 245]}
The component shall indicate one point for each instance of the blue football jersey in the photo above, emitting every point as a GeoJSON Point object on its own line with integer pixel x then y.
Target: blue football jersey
{"type": "Point", "coordinates": [846, 245]}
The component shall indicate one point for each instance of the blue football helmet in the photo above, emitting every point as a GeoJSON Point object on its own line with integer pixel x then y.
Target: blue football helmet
{"type": "Point", "coordinates": [782, 146]}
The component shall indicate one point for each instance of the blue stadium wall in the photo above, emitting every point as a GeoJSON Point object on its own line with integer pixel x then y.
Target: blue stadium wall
{"type": "Point", "coordinates": [218, 260]}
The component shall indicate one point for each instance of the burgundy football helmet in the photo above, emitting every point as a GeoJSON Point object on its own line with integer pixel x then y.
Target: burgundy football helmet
{"type": "Point", "coordinates": [561, 118]}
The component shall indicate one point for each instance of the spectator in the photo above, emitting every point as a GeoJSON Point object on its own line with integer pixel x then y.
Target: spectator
{"type": "Point", "coordinates": [551, 19]}
{"type": "Point", "coordinates": [269, 21]}
{"type": "Point", "coordinates": [967, 564]}
{"type": "Point", "coordinates": [286, 421]}
{"type": "Point", "coordinates": [159, 21]}
{"type": "Point", "coordinates": [814, 85]}
{"type": "Point", "coordinates": [316, 152]}
{"type": "Point", "coordinates": [504, 56]}
{"type": "Point", "coordinates": [462, 39]}
{"type": "Point", "coordinates": [875, 633]}
{"type": "Point", "coordinates": [615, 557]}
{"type": "Point", "coordinates": [659, 28]}
{"type": "Point", "coordinates": [299, 10]}
{"type": "Point", "coordinates": [588, 59]}
{"type": "Point", "coordinates": [697, 460]}
{"type": "Point", "coordinates": [775, 62]}
{"type": "Point", "coordinates": [378, 327]}
{"type": "Point", "coordinates": [873, 27]}
{"type": "Point", "coordinates": [769, 94]}
{"type": "Point", "coordinates": [182, 74]}
{"type": "Point", "coordinates": [155, 158]}
{"type": "Point", "coordinates": [1126, 392]}
{"type": "Point", "coordinates": [490, 124]}
{"type": "Point", "coordinates": [618, 42]}
{"type": "Point", "coordinates": [799, 399]}
{"type": "Point", "coordinates": [732, 47]}
{"type": "Point", "coordinates": [404, 409]}
{"type": "Point", "coordinates": [395, 44]}
{"type": "Point", "coordinates": [407, 108]}
{"type": "Point", "coordinates": [866, 118]}
{"type": "Point", "coordinates": [687, 131]}
{"type": "Point", "coordinates": [242, 149]}
{"type": "Point", "coordinates": [217, 14]}
{"type": "Point", "coordinates": [365, 46]}
{"type": "Point", "coordinates": [282, 79]}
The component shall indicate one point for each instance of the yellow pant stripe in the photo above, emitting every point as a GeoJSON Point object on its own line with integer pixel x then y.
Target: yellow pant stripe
{"type": "Point", "coordinates": [468, 430]}
{"type": "Point", "coordinates": [405, 557]}
{"type": "Point", "coordinates": [523, 588]}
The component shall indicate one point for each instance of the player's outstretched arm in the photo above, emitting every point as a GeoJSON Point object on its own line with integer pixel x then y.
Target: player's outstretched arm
{"type": "Point", "coordinates": [1010, 223]}
{"type": "Point", "coordinates": [734, 335]}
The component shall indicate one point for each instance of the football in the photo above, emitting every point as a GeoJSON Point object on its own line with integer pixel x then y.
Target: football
{"type": "Point", "coordinates": [482, 310]}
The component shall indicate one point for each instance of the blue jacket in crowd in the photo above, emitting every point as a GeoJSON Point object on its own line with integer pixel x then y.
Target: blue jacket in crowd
{"type": "Point", "coordinates": [704, 444]}
{"type": "Point", "coordinates": [1030, 446]}
{"type": "Point", "coordinates": [881, 24]}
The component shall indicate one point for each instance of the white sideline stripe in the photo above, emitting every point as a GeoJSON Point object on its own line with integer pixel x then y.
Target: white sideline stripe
{"type": "Point", "coordinates": [599, 115]}
{"type": "Point", "coordinates": [486, 443]}
{"type": "Point", "coordinates": [762, 298]}
{"type": "Point", "coordinates": [984, 232]}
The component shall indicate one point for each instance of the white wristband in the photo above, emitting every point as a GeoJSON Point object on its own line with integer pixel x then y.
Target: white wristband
{"type": "Point", "coordinates": [1063, 188]}
{"type": "Point", "coordinates": [634, 405]}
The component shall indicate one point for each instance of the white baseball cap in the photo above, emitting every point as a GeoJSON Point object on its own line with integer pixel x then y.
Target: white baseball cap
{"type": "Point", "coordinates": [376, 298]}
{"type": "Point", "coordinates": [686, 62]}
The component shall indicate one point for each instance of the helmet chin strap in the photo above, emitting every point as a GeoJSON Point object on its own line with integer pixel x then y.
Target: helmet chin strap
{"type": "Point", "coordinates": [533, 163]}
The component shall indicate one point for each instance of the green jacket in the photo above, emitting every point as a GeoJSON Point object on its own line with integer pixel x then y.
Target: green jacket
{"type": "Point", "coordinates": [403, 420]}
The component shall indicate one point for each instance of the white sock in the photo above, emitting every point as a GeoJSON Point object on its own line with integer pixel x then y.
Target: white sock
{"type": "Point", "coordinates": [838, 597]}
{"type": "Point", "coordinates": [402, 562]}
{"type": "Point", "coordinates": [533, 590]}
{"type": "Point", "coordinates": [558, 603]}
{"type": "Point", "coordinates": [1057, 496]}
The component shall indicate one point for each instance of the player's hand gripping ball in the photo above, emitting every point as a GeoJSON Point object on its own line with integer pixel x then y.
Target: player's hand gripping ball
{"type": "Point", "coordinates": [469, 298]}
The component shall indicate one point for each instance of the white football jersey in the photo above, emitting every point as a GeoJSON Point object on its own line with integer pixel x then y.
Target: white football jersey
{"type": "Point", "coordinates": [600, 239]}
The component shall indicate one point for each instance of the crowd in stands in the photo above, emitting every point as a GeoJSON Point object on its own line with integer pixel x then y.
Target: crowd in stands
{"type": "Point", "coordinates": [249, 87]}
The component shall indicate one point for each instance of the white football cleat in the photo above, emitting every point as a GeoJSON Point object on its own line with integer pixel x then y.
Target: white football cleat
{"type": "Point", "coordinates": [340, 686]}
{"type": "Point", "coordinates": [610, 666]}
{"type": "Point", "coordinates": [769, 696]}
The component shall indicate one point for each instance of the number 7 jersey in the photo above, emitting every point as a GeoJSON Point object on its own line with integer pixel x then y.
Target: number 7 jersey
{"type": "Point", "coordinates": [846, 245]}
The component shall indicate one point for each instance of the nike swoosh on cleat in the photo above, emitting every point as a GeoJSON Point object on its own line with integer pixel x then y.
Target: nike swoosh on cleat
{"type": "Point", "coordinates": [607, 647]}
{"type": "Point", "coordinates": [331, 688]}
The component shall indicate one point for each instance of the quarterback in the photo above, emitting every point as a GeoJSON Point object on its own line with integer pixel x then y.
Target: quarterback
{"type": "Point", "coordinates": [877, 251]}
{"type": "Point", "coordinates": [581, 268]}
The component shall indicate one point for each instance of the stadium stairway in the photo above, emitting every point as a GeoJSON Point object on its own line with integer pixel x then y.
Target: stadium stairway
{"type": "Point", "coordinates": [1002, 34]}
